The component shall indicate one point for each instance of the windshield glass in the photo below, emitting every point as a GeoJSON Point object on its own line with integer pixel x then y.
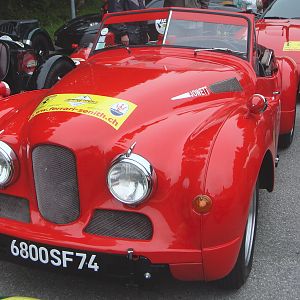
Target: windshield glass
{"type": "Point", "coordinates": [176, 28]}
{"type": "Point", "coordinates": [282, 9]}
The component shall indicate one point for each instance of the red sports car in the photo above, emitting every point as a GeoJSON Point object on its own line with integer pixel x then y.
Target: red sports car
{"type": "Point", "coordinates": [279, 29]}
{"type": "Point", "coordinates": [149, 157]}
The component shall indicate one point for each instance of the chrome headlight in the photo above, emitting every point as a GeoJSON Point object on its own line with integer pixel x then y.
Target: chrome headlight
{"type": "Point", "coordinates": [8, 164]}
{"type": "Point", "coordinates": [130, 179]}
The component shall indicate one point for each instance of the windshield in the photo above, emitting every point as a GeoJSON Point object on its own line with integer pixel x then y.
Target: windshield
{"type": "Point", "coordinates": [176, 28]}
{"type": "Point", "coordinates": [282, 9]}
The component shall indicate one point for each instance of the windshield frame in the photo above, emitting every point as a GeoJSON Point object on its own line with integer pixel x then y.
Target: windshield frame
{"type": "Point", "coordinates": [169, 12]}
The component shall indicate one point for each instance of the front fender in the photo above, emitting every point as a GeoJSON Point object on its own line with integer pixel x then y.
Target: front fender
{"type": "Point", "coordinates": [39, 77]}
{"type": "Point", "coordinates": [29, 37]}
{"type": "Point", "coordinates": [12, 105]}
{"type": "Point", "coordinates": [289, 92]}
{"type": "Point", "coordinates": [232, 172]}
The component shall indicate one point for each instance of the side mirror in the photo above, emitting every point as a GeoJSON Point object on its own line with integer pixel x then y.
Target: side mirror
{"type": "Point", "coordinates": [4, 89]}
{"type": "Point", "coordinates": [257, 104]}
{"type": "Point", "coordinates": [4, 60]}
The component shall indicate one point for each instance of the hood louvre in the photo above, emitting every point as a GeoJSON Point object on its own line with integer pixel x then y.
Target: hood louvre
{"type": "Point", "coordinates": [229, 85]}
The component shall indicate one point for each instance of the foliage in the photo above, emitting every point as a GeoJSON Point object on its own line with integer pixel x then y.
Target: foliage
{"type": "Point", "coordinates": [51, 13]}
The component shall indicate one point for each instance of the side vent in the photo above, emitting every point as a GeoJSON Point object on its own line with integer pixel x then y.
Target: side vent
{"type": "Point", "coordinates": [229, 85]}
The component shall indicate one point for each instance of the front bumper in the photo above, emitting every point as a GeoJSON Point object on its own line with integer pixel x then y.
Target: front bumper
{"type": "Point", "coordinates": [148, 257]}
{"type": "Point", "coordinates": [29, 253]}
{"type": "Point", "coordinates": [182, 264]}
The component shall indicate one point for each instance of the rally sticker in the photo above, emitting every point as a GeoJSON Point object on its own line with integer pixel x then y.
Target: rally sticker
{"type": "Point", "coordinates": [200, 92]}
{"type": "Point", "coordinates": [112, 111]}
{"type": "Point", "coordinates": [160, 25]}
{"type": "Point", "coordinates": [291, 46]}
{"type": "Point", "coordinates": [104, 31]}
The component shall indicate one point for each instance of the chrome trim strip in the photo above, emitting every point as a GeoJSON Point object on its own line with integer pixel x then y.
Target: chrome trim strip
{"type": "Point", "coordinates": [128, 153]}
{"type": "Point", "coordinates": [167, 27]}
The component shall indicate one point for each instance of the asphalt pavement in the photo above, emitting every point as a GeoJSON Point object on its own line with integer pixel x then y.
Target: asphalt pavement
{"type": "Point", "coordinates": [276, 266]}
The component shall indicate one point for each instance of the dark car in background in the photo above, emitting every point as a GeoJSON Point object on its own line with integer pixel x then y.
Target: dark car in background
{"type": "Point", "coordinates": [18, 62]}
{"type": "Point", "coordinates": [29, 33]}
{"type": "Point", "coordinates": [78, 31]}
{"type": "Point", "coordinates": [24, 68]}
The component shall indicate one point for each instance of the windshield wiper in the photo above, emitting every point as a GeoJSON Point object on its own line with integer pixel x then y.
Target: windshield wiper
{"type": "Point", "coordinates": [226, 50]}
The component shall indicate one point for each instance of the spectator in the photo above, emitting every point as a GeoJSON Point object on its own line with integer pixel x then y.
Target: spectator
{"type": "Point", "coordinates": [187, 3]}
{"type": "Point", "coordinates": [133, 33]}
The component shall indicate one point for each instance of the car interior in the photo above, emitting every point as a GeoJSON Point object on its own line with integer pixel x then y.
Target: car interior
{"type": "Point", "coordinates": [265, 61]}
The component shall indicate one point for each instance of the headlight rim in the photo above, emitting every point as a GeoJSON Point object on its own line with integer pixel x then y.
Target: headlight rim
{"type": "Point", "coordinates": [12, 158]}
{"type": "Point", "coordinates": [141, 163]}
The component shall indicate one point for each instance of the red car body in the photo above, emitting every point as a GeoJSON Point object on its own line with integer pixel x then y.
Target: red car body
{"type": "Point", "coordinates": [206, 121]}
{"type": "Point", "coordinates": [279, 29]}
{"type": "Point", "coordinates": [282, 32]}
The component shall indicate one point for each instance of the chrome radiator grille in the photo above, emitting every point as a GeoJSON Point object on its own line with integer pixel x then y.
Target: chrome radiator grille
{"type": "Point", "coordinates": [14, 208]}
{"type": "Point", "coordinates": [7, 28]}
{"type": "Point", "coordinates": [120, 224]}
{"type": "Point", "coordinates": [56, 184]}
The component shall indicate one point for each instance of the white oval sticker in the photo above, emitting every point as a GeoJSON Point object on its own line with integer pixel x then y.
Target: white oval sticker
{"type": "Point", "coordinates": [160, 25]}
{"type": "Point", "coordinates": [104, 31]}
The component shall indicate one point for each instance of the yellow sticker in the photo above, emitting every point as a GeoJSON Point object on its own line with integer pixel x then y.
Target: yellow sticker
{"type": "Point", "coordinates": [113, 111]}
{"type": "Point", "coordinates": [291, 46]}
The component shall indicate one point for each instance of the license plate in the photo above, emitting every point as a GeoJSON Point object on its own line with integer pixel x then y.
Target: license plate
{"type": "Point", "coordinates": [31, 253]}
{"type": "Point", "coordinates": [54, 257]}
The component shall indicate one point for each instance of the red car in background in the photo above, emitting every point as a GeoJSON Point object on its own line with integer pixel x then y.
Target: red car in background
{"type": "Point", "coordinates": [279, 29]}
{"type": "Point", "coordinates": [147, 158]}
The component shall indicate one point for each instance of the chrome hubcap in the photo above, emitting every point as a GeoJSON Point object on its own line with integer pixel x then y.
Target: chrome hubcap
{"type": "Point", "coordinates": [250, 229]}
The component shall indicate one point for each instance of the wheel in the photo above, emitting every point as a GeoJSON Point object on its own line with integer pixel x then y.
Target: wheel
{"type": "Point", "coordinates": [57, 71]}
{"type": "Point", "coordinates": [239, 274]}
{"type": "Point", "coordinates": [41, 44]}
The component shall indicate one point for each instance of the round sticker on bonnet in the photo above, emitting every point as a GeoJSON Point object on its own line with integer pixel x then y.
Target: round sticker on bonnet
{"type": "Point", "coordinates": [160, 25]}
{"type": "Point", "coordinates": [119, 109]}
{"type": "Point", "coordinates": [104, 31]}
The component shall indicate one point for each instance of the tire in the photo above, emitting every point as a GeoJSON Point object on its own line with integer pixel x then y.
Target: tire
{"type": "Point", "coordinates": [40, 44]}
{"type": "Point", "coordinates": [239, 274]}
{"type": "Point", "coordinates": [57, 71]}
{"type": "Point", "coordinates": [285, 140]}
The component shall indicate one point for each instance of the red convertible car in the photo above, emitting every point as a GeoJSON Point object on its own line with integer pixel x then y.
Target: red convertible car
{"type": "Point", "coordinates": [279, 29]}
{"type": "Point", "coordinates": [147, 158]}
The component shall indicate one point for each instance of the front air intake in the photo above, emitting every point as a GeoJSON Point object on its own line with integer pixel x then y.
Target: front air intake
{"type": "Point", "coordinates": [120, 224]}
{"type": "Point", "coordinates": [14, 208]}
{"type": "Point", "coordinates": [56, 184]}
